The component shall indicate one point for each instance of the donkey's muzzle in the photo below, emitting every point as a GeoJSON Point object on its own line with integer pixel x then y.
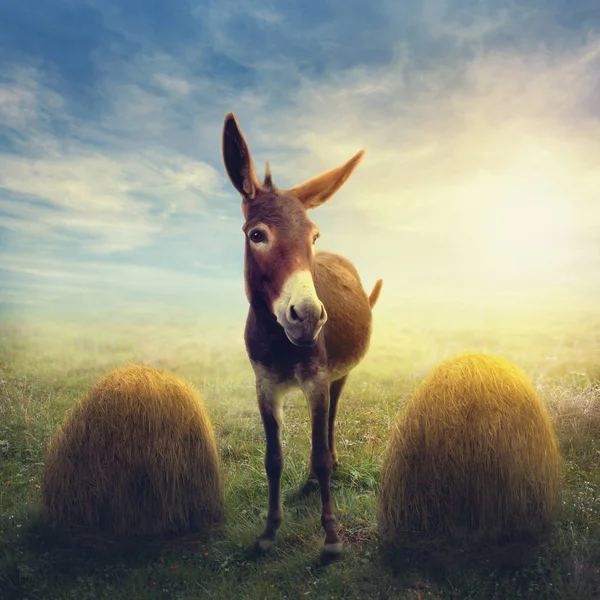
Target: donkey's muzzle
{"type": "Point", "coordinates": [303, 322]}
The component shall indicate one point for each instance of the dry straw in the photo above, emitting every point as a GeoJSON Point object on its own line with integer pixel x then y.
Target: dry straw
{"type": "Point", "coordinates": [137, 456]}
{"type": "Point", "coordinates": [473, 459]}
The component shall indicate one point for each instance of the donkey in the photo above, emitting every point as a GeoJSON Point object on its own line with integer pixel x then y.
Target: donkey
{"type": "Point", "coordinates": [309, 321]}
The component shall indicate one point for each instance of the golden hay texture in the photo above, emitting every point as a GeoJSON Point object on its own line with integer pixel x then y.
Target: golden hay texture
{"type": "Point", "coordinates": [473, 459]}
{"type": "Point", "coordinates": [137, 456]}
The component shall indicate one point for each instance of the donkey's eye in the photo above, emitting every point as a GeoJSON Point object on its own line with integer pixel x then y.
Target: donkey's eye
{"type": "Point", "coordinates": [257, 236]}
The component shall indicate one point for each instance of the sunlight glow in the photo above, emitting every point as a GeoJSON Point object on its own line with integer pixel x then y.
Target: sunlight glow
{"type": "Point", "coordinates": [524, 227]}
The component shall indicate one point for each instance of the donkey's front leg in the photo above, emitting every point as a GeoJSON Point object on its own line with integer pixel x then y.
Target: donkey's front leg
{"type": "Point", "coordinates": [270, 404]}
{"type": "Point", "coordinates": [317, 394]}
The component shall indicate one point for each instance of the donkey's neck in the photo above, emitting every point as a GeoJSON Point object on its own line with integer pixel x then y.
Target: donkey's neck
{"type": "Point", "coordinates": [265, 319]}
{"type": "Point", "coordinates": [258, 304]}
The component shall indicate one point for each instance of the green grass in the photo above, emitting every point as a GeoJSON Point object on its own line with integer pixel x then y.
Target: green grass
{"type": "Point", "coordinates": [45, 367]}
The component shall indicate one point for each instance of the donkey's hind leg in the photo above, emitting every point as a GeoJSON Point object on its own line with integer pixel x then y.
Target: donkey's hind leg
{"type": "Point", "coordinates": [335, 390]}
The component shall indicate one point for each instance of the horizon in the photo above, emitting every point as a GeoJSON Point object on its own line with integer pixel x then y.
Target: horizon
{"type": "Point", "coordinates": [479, 187]}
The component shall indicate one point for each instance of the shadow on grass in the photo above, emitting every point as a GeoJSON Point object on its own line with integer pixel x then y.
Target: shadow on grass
{"type": "Point", "coordinates": [311, 487]}
{"type": "Point", "coordinates": [45, 558]}
{"type": "Point", "coordinates": [441, 559]}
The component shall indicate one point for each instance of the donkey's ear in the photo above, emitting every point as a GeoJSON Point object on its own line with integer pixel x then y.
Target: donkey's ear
{"type": "Point", "coordinates": [319, 189]}
{"type": "Point", "coordinates": [237, 159]}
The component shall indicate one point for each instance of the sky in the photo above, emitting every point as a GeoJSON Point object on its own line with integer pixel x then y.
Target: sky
{"type": "Point", "coordinates": [480, 121]}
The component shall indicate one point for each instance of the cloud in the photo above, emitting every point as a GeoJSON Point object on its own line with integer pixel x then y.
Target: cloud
{"type": "Point", "coordinates": [173, 85]}
{"type": "Point", "coordinates": [117, 202]}
{"type": "Point", "coordinates": [441, 157]}
{"type": "Point", "coordinates": [114, 198]}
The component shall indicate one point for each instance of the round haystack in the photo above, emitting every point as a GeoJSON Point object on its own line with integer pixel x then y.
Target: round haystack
{"type": "Point", "coordinates": [137, 456]}
{"type": "Point", "coordinates": [473, 459]}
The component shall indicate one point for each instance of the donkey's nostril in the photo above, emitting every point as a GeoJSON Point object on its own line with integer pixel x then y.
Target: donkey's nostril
{"type": "Point", "coordinates": [293, 314]}
{"type": "Point", "coordinates": [323, 314]}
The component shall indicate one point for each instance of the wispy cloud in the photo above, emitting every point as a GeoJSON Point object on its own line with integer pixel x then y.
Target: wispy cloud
{"type": "Point", "coordinates": [117, 202]}
{"type": "Point", "coordinates": [173, 85]}
{"type": "Point", "coordinates": [114, 198]}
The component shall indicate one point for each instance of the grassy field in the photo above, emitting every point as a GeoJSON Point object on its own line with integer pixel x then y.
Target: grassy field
{"type": "Point", "coordinates": [47, 366]}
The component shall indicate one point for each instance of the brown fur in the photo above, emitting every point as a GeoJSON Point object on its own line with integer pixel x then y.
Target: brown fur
{"type": "Point", "coordinates": [348, 329]}
{"type": "Point", "coordinates": [331, 328]}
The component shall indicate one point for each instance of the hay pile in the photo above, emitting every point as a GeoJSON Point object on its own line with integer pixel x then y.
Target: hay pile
{"type": "Point", "coordinates": [473, 459]}
{"type": "Point", "coordinates": [136, 457]}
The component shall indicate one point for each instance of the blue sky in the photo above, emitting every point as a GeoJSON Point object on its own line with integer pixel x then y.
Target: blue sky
{"type": "Point", "coordinates": [481, 122]}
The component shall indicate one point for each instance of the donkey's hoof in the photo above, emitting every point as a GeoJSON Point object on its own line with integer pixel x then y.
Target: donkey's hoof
{"type": "Point", "coordinates": [333, 549]}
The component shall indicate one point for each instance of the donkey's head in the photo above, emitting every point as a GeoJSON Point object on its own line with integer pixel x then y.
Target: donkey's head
{"type": "Point", "coordinates": [280, 237]}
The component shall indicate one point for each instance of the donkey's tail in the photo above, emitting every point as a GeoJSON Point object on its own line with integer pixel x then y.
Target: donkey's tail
{"type": "Point", "coordinates": [375, 293]}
